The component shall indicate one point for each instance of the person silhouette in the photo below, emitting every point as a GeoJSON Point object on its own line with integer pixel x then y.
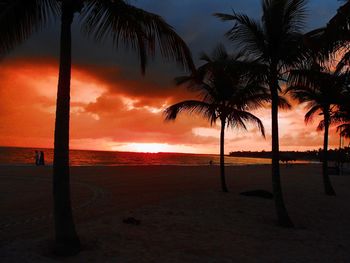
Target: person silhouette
{"type": "Point", "coordinates": [41, 158]}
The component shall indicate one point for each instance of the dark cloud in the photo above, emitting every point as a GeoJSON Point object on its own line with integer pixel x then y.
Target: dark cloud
{"type": "Point", "coordinates": [193, 21]}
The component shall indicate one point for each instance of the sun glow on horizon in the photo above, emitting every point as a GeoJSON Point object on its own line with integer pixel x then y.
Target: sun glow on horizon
{"type": "Point", "coordinates": [154, 148]}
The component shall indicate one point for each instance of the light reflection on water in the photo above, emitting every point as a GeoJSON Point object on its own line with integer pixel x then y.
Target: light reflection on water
{"type": "Point", "coordinates": [25, 156]}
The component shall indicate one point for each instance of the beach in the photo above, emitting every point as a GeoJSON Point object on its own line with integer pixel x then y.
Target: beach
{"type": "Point", "coordinates": [183, 215]}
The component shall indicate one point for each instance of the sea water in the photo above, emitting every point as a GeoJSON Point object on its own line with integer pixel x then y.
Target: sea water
{"type": "Point", "coordinates": [26, 157]}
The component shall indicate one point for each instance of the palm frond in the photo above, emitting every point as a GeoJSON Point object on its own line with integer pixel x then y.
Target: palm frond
{"type": "Point", "coordinates": [246, 32]}
{"type": "Point", "coordinates": [304, 78]}
{"type": "Point", "coordinates": [219, 53]}
{"type": "Point", "coordinates": [295, 15]}
{"type": "Point", "coordinates": [283, 21]}
{"type": "Point", "coordinates": [344, 62]}
{"type": "Point", "coordinates": [283, 103]}
{"type": "Point", "coordinates": [191, 106]}
{"type": "Point", "coordinates": [344, 130]}
{"type": "Point", "coordinates": [320, 126]}
{"type": "Point", "coordinates": [20, 18]}
{"type": "Point", "coordinates": [311, 113]}
{"type": "Point", "coordinates": [238, 118]}
{"type": "Point", "coordinates": [334, 35]}
{"type": "Point", "coordinates": [136, 28]}
{"type": "Point", "coordinates": [300, 93]}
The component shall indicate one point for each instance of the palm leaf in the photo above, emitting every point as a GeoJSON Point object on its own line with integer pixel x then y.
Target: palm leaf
{"type": "Point", "coordinates": [246, 32]}
{"type": "Point", "coordinates": [344, 130]}
{"type": "Point", "coordinates": [237, 118]}
{"type": "Point", "coordinates": [20, 18]}
{"type": "Point", "coordinates": [295, 14]}
{"type": "Point", "coordinates": [311, 113]}
{"type": "Point", "coordinates": [283, 103]}
{"type": "Point", "coordinates": [135, 28]}
{"type": "Point", "coordinates": [344, 62]}
{"type": "Point", "coordinates": [334, 35]}
{"type": "Point", "coordinates": [190, 106]}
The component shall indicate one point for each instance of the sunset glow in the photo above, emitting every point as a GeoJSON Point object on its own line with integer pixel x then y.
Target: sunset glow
{"type": "Point", "coordinates": [114, 107]}
{"type": "Point", "coordinates": [105, 116]}
{"type": "Point", "coordinates": [147, 147]}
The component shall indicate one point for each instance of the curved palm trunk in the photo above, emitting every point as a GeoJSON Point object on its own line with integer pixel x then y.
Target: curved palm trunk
{"type": "Point", "coordinates": [222, 157]}
{"type": "Point", "coordinates": [282, 214]}
{"type": "Point", "coordinates": [67, 241]}
{"type": "Point", "coordinates": [326, 181]}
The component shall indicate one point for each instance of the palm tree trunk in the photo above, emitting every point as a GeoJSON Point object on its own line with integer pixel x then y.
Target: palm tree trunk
{"type": "Point", "coordinates": [222, 157]}
{"type": "Point", "coordinates": [326, 181]}
{"type": "Point", "coordinates": [282, 214]}
{"type": "Point", "coordinates": [67, 241]}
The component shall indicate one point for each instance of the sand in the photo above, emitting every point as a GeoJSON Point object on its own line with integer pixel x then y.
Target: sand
{"type": "Point", "coordinates": [184, 216]}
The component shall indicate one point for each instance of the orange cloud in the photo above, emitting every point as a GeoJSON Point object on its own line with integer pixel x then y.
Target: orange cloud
{"type": "Point", "coordinates": [110, 111]}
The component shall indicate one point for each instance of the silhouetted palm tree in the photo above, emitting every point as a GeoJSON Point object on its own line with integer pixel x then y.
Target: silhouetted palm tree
{"type": "Point", "coordinates": [327, 42]}
{"type": "Point", "coordinates": [321, 88]}
{"type": "Point", "coordinates": [122, 22]}
{"type": "Point", "coordinates": [276, 43]}
{"type": "Point", "coordinates": [335, 36]}
{"type": "Point", "coordinates": [226, 94]}
{"type": "Point", "coordinates": [344, 129]}
{"type": "Point", "coordinates": [343, 114]}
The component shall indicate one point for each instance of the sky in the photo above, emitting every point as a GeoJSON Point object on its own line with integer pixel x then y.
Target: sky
{"type": "Point", "coordinates": [115, 108]}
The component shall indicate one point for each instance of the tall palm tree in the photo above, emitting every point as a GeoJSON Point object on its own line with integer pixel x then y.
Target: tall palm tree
{"type": "Point", "coordinates": [321, 88]}
{"type": "Point", "coordinates": [116, 19]}
{"type": "Point", "coordinates": [226, 94]}
{"type": "Point", "coordinates": [275, 42]}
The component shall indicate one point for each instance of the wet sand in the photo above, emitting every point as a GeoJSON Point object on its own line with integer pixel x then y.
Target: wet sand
{"type": "Point", "coordinates": [184, 216]}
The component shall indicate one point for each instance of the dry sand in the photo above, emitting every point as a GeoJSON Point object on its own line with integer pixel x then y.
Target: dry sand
{"type": "Point", "coordinates": [184, 216]}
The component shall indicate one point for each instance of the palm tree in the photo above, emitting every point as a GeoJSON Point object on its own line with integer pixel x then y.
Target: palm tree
{"type": "Point", "coordinates": [321, 88]}
{"type": "Point", "coordinates": [335, 34]}
{"type": "Point", "coordinates": [334, 38]}
{"type": "Point", "coordinates": [226, 94]}
{"type": "Point", "coordinates": [116, 19]}
{"type": "Point", "coordinates": [343, 114]}
{"type": "Point", "coordinates": [276, 43]}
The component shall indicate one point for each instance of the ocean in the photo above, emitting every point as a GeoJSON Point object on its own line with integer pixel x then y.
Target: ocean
{"type": "Point", "coordinates": [26, 157]}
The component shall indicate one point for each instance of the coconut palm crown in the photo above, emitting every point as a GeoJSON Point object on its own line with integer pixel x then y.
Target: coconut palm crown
{"type": "Point", "coordinates": [226, 94]}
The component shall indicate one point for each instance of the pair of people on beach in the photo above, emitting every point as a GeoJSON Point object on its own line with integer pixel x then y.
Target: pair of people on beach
{"type": "Point", "coordinates": [39, 158]}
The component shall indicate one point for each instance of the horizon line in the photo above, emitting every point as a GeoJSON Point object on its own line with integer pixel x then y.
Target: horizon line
{"type": "Point", "coordinates": [95, 150]}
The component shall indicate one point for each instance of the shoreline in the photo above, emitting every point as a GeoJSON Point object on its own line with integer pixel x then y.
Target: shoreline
{"type": "Point", "coordinates": [307, 162]}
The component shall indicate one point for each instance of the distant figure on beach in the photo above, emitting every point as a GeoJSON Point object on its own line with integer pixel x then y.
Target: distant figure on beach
{"type": "Point", "coordinates": [41, 158]}
{"type": "Point", "coordinates": [287, 159]}
{"type": "Point", "coordinates": [37, 157]}
{"type": "Point", "coordinates": [210, 162]}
